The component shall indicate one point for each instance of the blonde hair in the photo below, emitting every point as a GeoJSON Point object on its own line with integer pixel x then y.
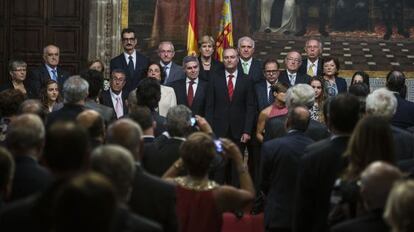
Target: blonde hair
{"type": "Point", "coordinates": [206, 39]}
{"type": "Point", "coordinates": [399, 211]}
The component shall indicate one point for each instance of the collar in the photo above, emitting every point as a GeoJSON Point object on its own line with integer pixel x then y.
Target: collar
{"type": "Point", "coordinates": [178, 138]}
{"type": "Point", "coordinates": [315, 63]}
{"type": "Point", "coordinates": [134, 55]}
{"type": "Point", "coordinates": [114, 95]}
{"type": "Point", "coordinates": [148, 136]}
{"type": "Point", "coordinates": [49, 69]}
{"type": "Point", "coordinates": [166, 65]}
{"type": "Point", "coordinates": [289, 73]}
{"type": "Point", "coordinates": [234, 73]}
{"type": "Point", "coordinates": [249, 62]}
{"type": "Point", "coordinates": [268, 85]}
{"type": "Point", "coordinates": [188, 80]}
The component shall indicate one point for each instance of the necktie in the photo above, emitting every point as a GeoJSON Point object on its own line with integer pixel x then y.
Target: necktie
{"type": "Point", "coordinates": [131, 66]}
{"type": "Point", "coordinates": [230, 86]}
{"type": "Point", "coordinates": [166, 73]}
{"type": "Point", "coordinates": [310, 70]}
{"type": "Point", "coordinates": [54, 75]}
{"type": "Point", "coordinates": [118, 108]}
{"type": "Point", "coordinates": [245, 67]}
{"type": "Point", "coordinates": [190, 93]}
{"type": "Point", "coordinates": [270, 98]}
{"type": "Point", "coordinates": [292, 79]}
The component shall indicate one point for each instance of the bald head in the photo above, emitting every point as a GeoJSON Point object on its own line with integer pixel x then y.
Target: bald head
{"type": "Point", "coordinates": [376, 182]}
{"type": "Point", "coordinates": [126, 133]}
{"type": "Point", "coordinates": [93, 122]}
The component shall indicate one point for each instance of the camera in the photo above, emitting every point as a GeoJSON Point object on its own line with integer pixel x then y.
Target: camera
{"type": "Point", "coordinates": [193, 121]}
{"type": "Point", "coordinates": [219, 146]}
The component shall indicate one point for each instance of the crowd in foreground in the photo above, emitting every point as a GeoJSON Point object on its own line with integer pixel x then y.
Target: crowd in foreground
{"type": "Point", "coordinates": [164, 148]}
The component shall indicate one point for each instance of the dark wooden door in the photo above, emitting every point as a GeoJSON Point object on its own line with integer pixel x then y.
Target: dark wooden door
{"type": "Point", "coordinates": [26, 26]}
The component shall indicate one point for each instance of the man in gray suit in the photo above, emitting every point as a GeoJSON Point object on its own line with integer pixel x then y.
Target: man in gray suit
{"type": "Point", "coordinates": [172, 70]}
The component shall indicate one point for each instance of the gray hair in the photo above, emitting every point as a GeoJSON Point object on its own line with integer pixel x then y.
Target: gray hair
{"type": "Point", "coordinates": [167, 42]}
{"type": "Point", "coordinates": [300, 95]}
{"type": "Point", "coordinates": [48, 46]}
{"type": "Point", "coordinates": [381, 102]}
{"type": "Point", "coordinates": [13, 64]}
{"type": "Point", "coordinates": [188, 59]}
{"type": "Point", "coordinates": [25, 132]}
{"type": "Point", "coordinates": [314, 39]}
{"type": "Point", "coordinates": [75, 89]}
{"type": "Point", "coordinates": [178, 120]}
{"type": "Point", "coordinates": [245, 38]}
{"type": "Point", "coordinates": [117, 164]}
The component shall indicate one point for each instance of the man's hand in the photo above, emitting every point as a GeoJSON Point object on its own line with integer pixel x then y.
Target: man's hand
{"type": "Point", "coordinates": [245, 138]}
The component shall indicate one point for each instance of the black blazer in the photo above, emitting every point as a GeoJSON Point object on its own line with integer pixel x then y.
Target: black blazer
{"type": "Point", "coordinates": [304, 70]}
{"type": "Point", "coordinates": [141, 65]}
{"type": "Point", "coordinates": [9, 85]}
{"type": "Point", "coordinates": [300, 78]}
{"type": "Point", "coordinates": [279, 168]}
{"type": "Point", "coordinates": [321, 165]}
{"type": "Point", "coordinates": [261, 91]}
{"type": "Point", "coordinates": [235, 117]}
{"type": "Point", "coordinates": [215, 66]}
{"type": "Point", "coordinates": [39, 77]}
{"type": "Point", "coordinates": [255, 71]}
{"type": "Point", "coordinates": [341, 85]}
{"type": "Point", "coordinates": [404, 116]}
{"type": "Point", "coordinates": [154, 199]}
{"type": "Point", "coordinates": [199, 100]}
{"type": "Point", "coordinates": [403, 144]}
{"type": "Point", "coordinates": [372, 221]}
{"type": "Point", "coordinates": [68, 112]}
{"type": "Point", "coordinates": [107, 100]}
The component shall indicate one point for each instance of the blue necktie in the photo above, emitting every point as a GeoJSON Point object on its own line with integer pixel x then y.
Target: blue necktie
{"type": "Point", "coordinates": [54, 75]}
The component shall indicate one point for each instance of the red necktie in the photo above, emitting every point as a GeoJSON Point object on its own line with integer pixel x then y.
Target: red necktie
{"type": "Point", "coordinates": [230, 86]}
{"type": "Point", "coordinates": [190, 93]}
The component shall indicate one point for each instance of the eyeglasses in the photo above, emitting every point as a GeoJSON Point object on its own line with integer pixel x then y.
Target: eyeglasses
{"type": "Point", "coordinates": [166, 51]}
{"type": "Point", "coordinates": [117, 80]}
{"type": "Point", "coordinates": [271, 71]}
{"type": "Point", "coordinates": [128, 39]}
{"type": "Point", "coordinates": [19, 70]}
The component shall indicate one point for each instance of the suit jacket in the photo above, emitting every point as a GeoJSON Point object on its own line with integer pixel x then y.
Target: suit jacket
{"type": "Point", "coordinates": [280, 164]}
{"type": "Point", "coordinates": [255, 71]}
{"type": "Point", "coordinates": [261, 92]}
{"type": "Point", "coordinates": [107, 113]}
{"type": "Point", "coordinates": [199, 100]}
{"type": "Point", "coordinates": [68, 112]}
{"type": "Point", "coordinates": [125, 221]}
{"type": "Point", "coordinates": [9, 85]}
{"type": "Point", "coordinates": [372, 221]}
{"type": "Point", "coordinates": [403, 117]}
{"type": "Point", "coordinates": [403, 144]}
{"type": "Point", "coordinates": [29, 177]}
{"type": "Point", "coordinates": [176, 73]}
{"type": "Point", "coordinates": [275, 128]}
{"type": "Point", "coordinates": [153, 198]}
{"type": "Point", "coordinates": [215, 66]}
{"type": "Point", "coordinates": [39, 77]}
{"type": "Point", "coordinates": [319, 168]}
{"type": "Point", "coordinates": [107, 100]}
{"type": "Point", "coordinates": [300, 78]}
{"type": "Point", "coordinates": [167, 100]}
{"type": "Point", "coordinates": [166, 155]}
{"type": "Point", "coordinates": [233, 117]}
{"type": "Point", "coordinates": [341, 85]}
{"type": "Point", "coordinates": [303, 69]}
{"type": "Point", "coordinates": [141, 64]}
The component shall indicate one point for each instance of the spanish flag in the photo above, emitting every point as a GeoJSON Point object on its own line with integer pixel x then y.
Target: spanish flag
{"type": "Point", "coordinates": [225, 36]}
{"type": "Point", "coordinates": [192, 47]}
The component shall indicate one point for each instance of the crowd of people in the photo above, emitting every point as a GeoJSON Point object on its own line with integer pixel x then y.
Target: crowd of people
{"type": "Point", "coordinates": [171, 148]}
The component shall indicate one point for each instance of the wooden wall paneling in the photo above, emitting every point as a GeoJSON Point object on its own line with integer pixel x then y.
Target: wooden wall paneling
{"type": "Point", "coordinates": [27, 12]}
{"type": "Point", "coordinates": [3, 39]}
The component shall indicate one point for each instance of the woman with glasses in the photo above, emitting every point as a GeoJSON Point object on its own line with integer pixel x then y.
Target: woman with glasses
{"type": "Point", "coordinates": [17, 71]}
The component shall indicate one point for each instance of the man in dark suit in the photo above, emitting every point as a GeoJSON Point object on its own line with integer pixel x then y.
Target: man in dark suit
{"type": "Point", "coordinates": [150, 197]}
{"type": "Point", "coordinates": [403, 117]}
{"type": "Point", "coordinates": [280, 163]}
{"type": "Point", "coordinates": [312, 65]}
{"type": "Point", "coordinates": [191, 91]}
{"type": "Point", "coordinates": [304, 16]}
{"type": "Point", "coordinates": [131, 61]}
{"type": "Point", "coordinates": [376, 182]}
{"type": "Point", "coordinates": [291, 76]}
{"type": "Point", "coordinates": [75, 91]}
{"type": "Point", "coordinates": [383, 102]}
{"type": "Point", "coordinates": [116, 97]}
{"type": "Point", "coordinates": [250, 66]}
{"type": "Point", "coordinates": [298, 95]}
{"type": "Point", "coordinates": [25, 140]}
{"type": "Point", "coordinates": [173, 72]}
{"type": "Point", "coordinates": [321, 165]}
{"type": "Point", "coordinates": [6, 175]}
{"type": "Point", "coordinates": [96, 81]}
{"type": "Point", "coordinates": [263, 89]}
{"type": "Point", "coordinates": [230, 106]}
{"type": "Point", "coordinates": [50, 70]}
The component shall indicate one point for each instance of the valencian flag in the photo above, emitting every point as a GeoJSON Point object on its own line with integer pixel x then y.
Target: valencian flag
{"type": "Point", "coordinates": [192, 47]}
{"type": "Point", "coordinates": [225, 36]}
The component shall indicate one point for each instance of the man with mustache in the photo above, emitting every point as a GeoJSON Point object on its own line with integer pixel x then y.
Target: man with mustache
{"type": "Point", "coordinates": [131, 61]}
